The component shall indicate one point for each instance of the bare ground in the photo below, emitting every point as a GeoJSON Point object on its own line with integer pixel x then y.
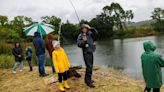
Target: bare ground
{"type": "Point", "coordinates": [106, 80]}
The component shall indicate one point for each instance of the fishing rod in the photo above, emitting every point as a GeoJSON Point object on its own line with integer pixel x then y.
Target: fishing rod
{"type": "Point", "coordinates": [60, 25]}
{"type": "Point", "coordinates": [74, 10]}
{"type": "Point", "coordinates": [78, 16]}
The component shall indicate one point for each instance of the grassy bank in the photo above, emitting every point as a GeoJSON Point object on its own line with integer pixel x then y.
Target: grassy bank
{"type": "Point", "coordinates": [106, 80]}
{"type": "Point", "coordinates": [7, 61]}
{"type": "Point", "coordinates": [133, 32]}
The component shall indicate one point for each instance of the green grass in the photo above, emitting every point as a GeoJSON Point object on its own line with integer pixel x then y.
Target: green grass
{"type": "Point", "coordinates": [6, 61]}
{"type": "Point", "coordinates": [135, 32]}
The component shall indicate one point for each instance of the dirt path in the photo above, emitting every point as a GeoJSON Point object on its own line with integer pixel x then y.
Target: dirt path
{"type": "Point", "coordinates": [107, 80]}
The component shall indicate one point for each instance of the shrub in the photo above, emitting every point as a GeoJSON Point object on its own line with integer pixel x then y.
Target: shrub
{"type": "Point", "coordinates": [6, 61]}
{"type": "Point", "coordinates": [5, 48]}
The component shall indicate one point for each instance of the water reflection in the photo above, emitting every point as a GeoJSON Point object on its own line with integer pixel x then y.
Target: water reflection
{"type": "Point", "coordinates": [119, 54]}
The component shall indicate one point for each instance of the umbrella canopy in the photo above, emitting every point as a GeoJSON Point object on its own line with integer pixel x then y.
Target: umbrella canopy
{"type": "Point", "coordinates": [42, 28]}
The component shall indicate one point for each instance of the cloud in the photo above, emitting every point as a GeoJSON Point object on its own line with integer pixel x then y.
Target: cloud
{"type": "Point", "coordinates": [87, 9]}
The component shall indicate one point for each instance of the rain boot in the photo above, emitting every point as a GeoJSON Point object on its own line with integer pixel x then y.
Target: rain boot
{"type": "Point", "coordinates": [31, 69]}
{"type": "Point", "coordinates": [66, 85]}
{"type": "Point", "coordinates": [61, 88]}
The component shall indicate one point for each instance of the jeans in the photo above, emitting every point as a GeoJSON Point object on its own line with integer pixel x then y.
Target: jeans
{"type": "Point", "coordinates": [52, 65]}
{"type": "Point", "coordinates": [16, 63]}
{"type": "Point", "coordinates": [41, 64]}
{"type": "Point", "coordinates": [88, 59]}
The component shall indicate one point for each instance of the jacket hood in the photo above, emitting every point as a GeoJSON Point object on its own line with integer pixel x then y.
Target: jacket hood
{"type": "Point", "coordinates": [29, 48]}
{"type": "Point", "coordinates": [149, 46]}
{"type": "Point", "coordinates": [50, 37]}
{"type": "Point", "coordinates": [37, 34]}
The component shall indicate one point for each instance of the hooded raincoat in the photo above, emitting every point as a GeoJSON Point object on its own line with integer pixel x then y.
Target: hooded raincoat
{"type": "Point", "coordinates": [39, 44]}
{"type": "Point", "coordinates": [151, 66]}
{"type": "Point", "coordinates": [61, 62]}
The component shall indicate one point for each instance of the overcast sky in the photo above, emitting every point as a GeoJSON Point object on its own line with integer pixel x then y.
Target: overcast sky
{"type": "Point", "coordinates": [87, 9]}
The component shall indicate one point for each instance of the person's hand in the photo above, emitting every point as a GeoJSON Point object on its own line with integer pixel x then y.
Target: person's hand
{"type": "Point", "coordinates": [84, 38]}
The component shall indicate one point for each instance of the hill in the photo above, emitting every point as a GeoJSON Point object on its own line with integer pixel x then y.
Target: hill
{"type": "Point", "coordinates": [140, 23]}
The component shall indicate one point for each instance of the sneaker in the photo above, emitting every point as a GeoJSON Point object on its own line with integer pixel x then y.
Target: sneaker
{"type": "Point", "coordinates": [20, 70]}
{"type": "Point", "coordinates": [92, 81]}
{"type": "Point", "coordinates": [14, 71]}
{"type": "Point", "coordinates": [44, 75]}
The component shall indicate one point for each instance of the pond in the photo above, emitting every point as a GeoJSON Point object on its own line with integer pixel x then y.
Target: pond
{"type": "Point", "coordinates": [119, 54]}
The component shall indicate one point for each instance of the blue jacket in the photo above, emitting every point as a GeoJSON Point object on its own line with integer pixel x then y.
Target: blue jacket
{"type": "Point", "coordinates": [29, 54]}
{"type": "Point", "coordinates": [39, 44]}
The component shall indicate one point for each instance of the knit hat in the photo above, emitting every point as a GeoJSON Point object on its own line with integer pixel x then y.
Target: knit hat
{"type": "Point", "coordinates": [55, 43]}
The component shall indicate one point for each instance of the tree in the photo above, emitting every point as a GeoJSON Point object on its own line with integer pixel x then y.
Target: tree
{"type": "Point", "coordinates": [104, 24]}
{"type": "Point", "coordinates": [129, 15]}
{"type": "Point", "coordinates": [116, 12]}
{"type": "Point", "coordinates": [158, 17]}
{"type": "Point", "coordinates": [158, 14]}
{"type": "Point", "coordinates": [126, 17]}
{"type": "Point", "coordinates": [20, 22]}
{"type": "Point", "coordinates": [8, 34]}
{"type": "Point", "coordinates": [52, 20]}
{"type": "Point", "coordinates": [70, 30]}
{"type": "Point", "coordinates": [83, 22]}
{"type": "Point", "coordinates": [119, 15]}
{"type": "Point", "coordinates": [3, 20]}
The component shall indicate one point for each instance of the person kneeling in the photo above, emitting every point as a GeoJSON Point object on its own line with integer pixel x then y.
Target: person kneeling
{"type": "Point", "coordinates": [61, 64]}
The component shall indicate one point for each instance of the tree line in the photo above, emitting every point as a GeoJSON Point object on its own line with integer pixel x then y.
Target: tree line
{"type": "Point", "coordinates": [112, 21]}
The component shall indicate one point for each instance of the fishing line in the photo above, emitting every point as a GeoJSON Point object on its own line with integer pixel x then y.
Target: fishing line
{"type": "Point", "coordinates": [74, 10]}
{"type": "Point", "coordinates": [59, 31]}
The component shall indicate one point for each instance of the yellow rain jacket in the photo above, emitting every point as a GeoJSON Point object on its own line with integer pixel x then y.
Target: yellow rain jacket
{"type": "Point", "coordinates": [61, 62]}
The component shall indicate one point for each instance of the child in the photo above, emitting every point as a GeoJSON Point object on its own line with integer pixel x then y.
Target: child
{"type": "Point", "coordinates": [61, 64]}
{"type": "Point", "coordinates": [151, 67]}
{"type": "Point", "coordinates": [29, 56]}
{"type": "Point", "coordinates": [18, 53]}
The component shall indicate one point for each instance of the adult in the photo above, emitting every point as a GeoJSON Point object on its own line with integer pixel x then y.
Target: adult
{"type": "Point", "coordinates": [40, 53]}
{"type": "Point", "coordinates": [85, 41]}
{"type": "Point", "coordinates": [50, 49]}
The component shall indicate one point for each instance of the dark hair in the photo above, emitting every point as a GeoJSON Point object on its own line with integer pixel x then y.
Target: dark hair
{"type": "Point", "coordinates": [16, 43]}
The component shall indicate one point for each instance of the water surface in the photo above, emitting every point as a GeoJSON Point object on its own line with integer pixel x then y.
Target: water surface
{"type": "Point", "coordinates": [120, 54]}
